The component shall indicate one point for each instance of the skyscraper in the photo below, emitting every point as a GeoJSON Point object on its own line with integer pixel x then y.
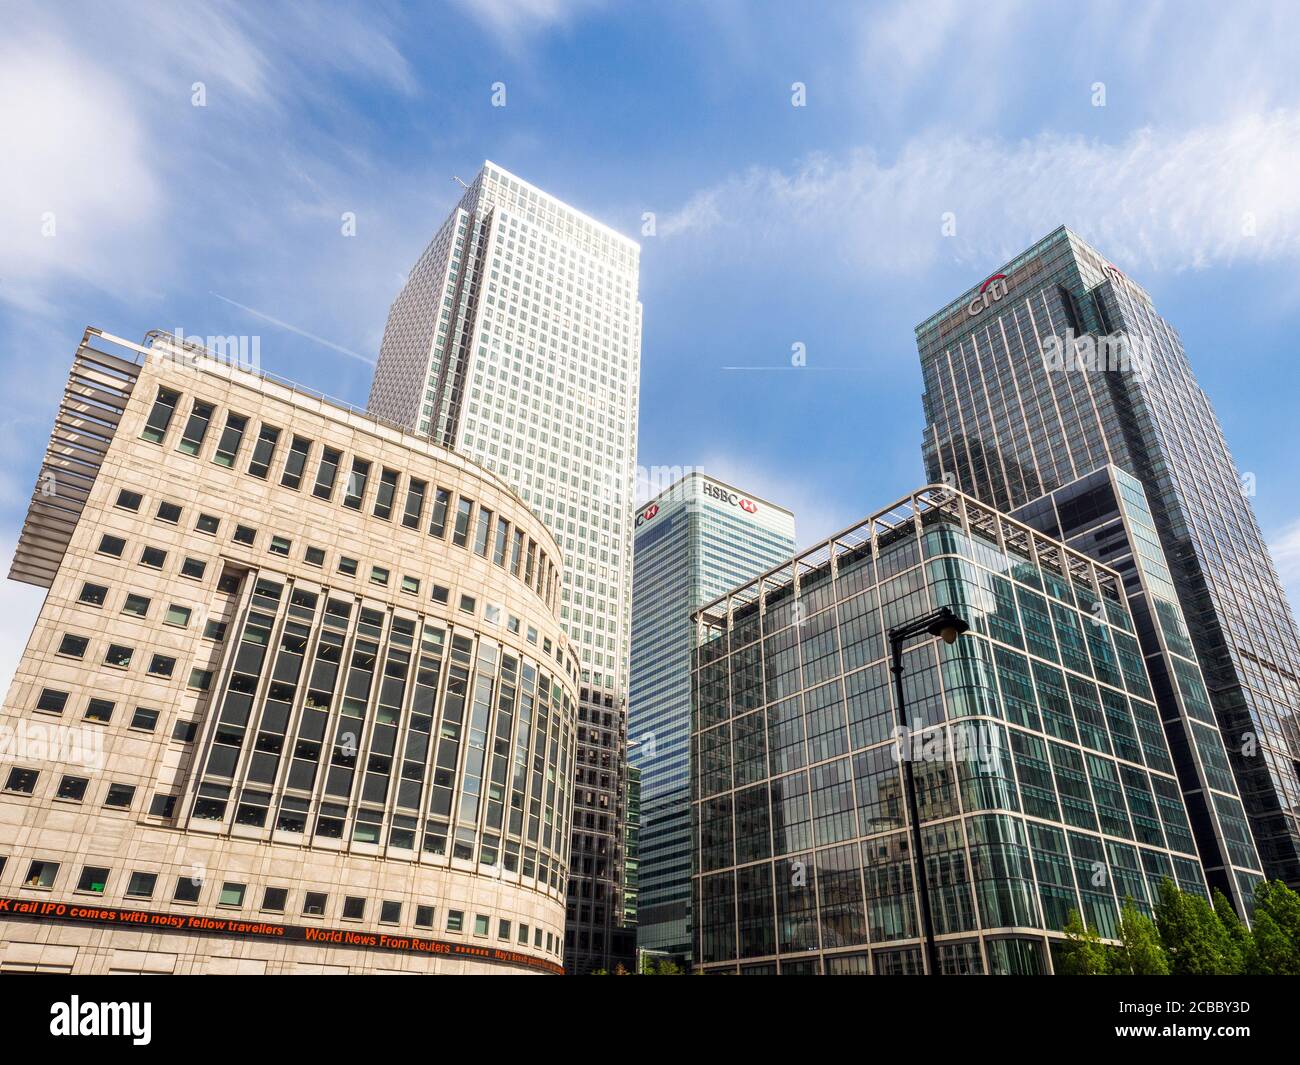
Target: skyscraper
{"type": "Point", "coordinates": [1058, 364]}
{"type": "Point", "coordinates": [692, 542]}
{"type": "Point", "coordinates": [517, 341]}
{"type": "Point", "coordinates": [1043, 780]}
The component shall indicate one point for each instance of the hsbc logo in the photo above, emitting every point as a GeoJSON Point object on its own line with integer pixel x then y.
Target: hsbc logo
{"type": "Point", "coordinates": [994, 289]}
{"type": "Point", "coordinates": [647, 514]}
{"type": "Point", "coordinates": [726, 495]}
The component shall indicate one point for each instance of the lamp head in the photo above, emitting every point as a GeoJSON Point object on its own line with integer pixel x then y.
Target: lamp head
{"type": "Point", "coordinates": [948, 626]}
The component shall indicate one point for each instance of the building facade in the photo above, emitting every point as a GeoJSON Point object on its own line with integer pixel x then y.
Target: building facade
{"type": "Point", "coordinates": [1058, 365]}
{"type": "Point", "coordinates": [298, 698]}
{"type": "Point", "coordinates": [1105, 515]}
{"type": "Point", "coordinates": [698, 538]}
{"type": "Point", "coordinates": [517, 341]}
{"type": "Point", "coordinates": [1043, 778]}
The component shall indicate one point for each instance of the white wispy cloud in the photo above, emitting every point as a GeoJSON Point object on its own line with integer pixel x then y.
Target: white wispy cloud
{"type": "Point", "coordinates": [514, 20]}
{"type": "Point", "coordinates": [1156, 198]}
{"type": "Point", "coordinates": [1285, 549]}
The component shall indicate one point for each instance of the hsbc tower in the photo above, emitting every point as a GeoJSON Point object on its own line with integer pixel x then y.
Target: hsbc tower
{"type": "Point", "coordinates": [692, 543]}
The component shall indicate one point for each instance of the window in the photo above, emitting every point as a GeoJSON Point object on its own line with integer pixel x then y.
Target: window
{"type": "Point", "coordinates": [141, 885]}
{"type": "Point", "coordinates": [424, 917]}
{"type": "Point", "coordinates": [72, 789]}
{"type": "Point", "coordinates": [264, 452]}
{"type": "Point", "coordinates": [313, 904]}
{"type": "Point", "coordinates": [482, 531]}
{"type": "Point", "coordinates": [111, 545]}
{"type": "Point", "coordinates": [523, 934]}
{"type": "Point", "coordinates": [136, 605]}
{"type": "Point", "coordinates": [214, 630]}
{"type": "Point", "coordinates": [390, 912]}
{"type": "Point", "coordinates": [280, 546]}
{"type": "Point", "coordinates": [296, 462]}
{"type": "Point", "coordinates": [200, 679]}
{"type": "Point", "coordinates": [22, 781]}
{"type": "Point", "coordinates": [231, 437]}
{"type": "Point", "coordinates": [438, 519]}
{"type": "Point", "coordinates": [244, 534]}
{"type": "Point", "coordinates": [162, 666]}
{"type": "Point", "coordinates": [385, 494]}
{"type": "Point", "coordinates": [196, 428]}
{"type": "Point", "coordinates": [93, 594]}
{"type": "Point", "coordinates": [347, 566]}
{"type": "Point", "coordinates": [162, 805]}
{"type": "Point", "coordinates": [42, 874]}
{"type": "Point", "coordinates": [460, 535]}
{"type": "Point", "coordinates": [52, 701]}
{"type": "Point", "coordinates": [207, 524]}
{"type": "Point", "coordinates": [144, 719]}
{"type": "Point", "coordinates": [440, 594]}
{"type": "Point", "coordinates": [274, 899]}
{"type": "Point", "coordinates": [326, 473]}
{"type": "Point", "coordinates": [314, 556]}
{"type": "Point", "coordinates": [187, 889]}
{"type": "Point", "coordinates": [183, 731]}
{"type": "Point", "coordinates": [537, 937]}
{"type": "Point", "coordinates": [231, 894]}
{"type": "Point", "coordinates": [357, 479]}
{"type": "Point", "coordinates": [177, 615]}
{"type": "Point", "coordinates": [379, 576]}
{"type": "Point", "coordinates": [468, 604]}
{"type": "Point", "coordinates": [99, 710]}
{"type": "Point", "coordinates": [480, 924]}
{"type": "Point", "coordinates": [414, 504]}
{"type": "Point", "coordinates": [119, 656]}
{"type": "Point", "coordinates": [153, 557]}
{"type": "Point", "coordinates": [73, 646]}
{"type": "Point", "coordinates": [128, 500]}
{"type": "Point", "coordinates": [354, 908]}
{"type": "Point", "coordinates": [170, 513]}
{"type": "Point", "coordinates": [164, 406]}
{"type": "Point", "coordinates": [411, 585]}
{"type": "Point", "coordinates": [455, 920]}
{"type": "Point", "coordinates": [503, 929]}
{"type": "Point", "coordinates": [193, 568]}
{"type": "Point", "coordinates": [120, 796]}
{"type": "Point", "coordinates": [499, 547]}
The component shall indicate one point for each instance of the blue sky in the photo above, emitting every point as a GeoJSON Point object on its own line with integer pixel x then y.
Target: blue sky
{"type": "Point", "coordinates": [775, 225]}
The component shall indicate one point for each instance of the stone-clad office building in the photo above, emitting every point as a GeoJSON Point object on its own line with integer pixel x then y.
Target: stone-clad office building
{"type": "Point", "coordinates": [298, 699]}
{"type": "Point", "coordinates": [1043, 777]}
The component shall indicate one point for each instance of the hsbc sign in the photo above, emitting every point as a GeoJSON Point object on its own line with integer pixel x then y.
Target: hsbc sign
{"type": "Point", "coordinates": [647, 514]}
{"type": "Point", "coordinates": [726, 495]}
{"type": "Point", "coordinates": [994, 289]}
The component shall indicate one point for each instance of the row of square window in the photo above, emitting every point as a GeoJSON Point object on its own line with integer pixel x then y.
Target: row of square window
{"type": "Point", "coordinates": [531, 565]}
{"type": "Point", "coordinates": [100, 711]}
{"type": "Point", "coordinates": [155, 558]}
{"type": "Point", "coordinates": [73, 789]}
{"type": "Point", "coordinates": [120, 656]}
{"type": "Point", "coordinates": [41, 875]}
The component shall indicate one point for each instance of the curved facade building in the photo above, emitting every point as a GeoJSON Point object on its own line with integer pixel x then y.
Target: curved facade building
{"type": "Point", "coordinates": [298, 699]}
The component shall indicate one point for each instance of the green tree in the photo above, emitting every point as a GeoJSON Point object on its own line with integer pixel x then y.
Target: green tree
{"type": "Point", "coordinates": [1195, 941]}
{"type": "Point", "coordinates": [1276, 938]}
{"type": "Point", "coordinates": [1241, 942]}
{"type": "Point", "coordinates": [1139, 952]}
{"type": "Point", "coordinates": [1083, 953]}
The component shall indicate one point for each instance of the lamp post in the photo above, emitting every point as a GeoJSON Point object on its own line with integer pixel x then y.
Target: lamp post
{"type": "Point", "coordinates": [948, 627]}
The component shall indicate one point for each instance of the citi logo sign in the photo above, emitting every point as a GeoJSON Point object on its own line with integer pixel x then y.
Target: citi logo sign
{"type": "Point", "coordinates": [725, 495]}
{"type": "Point", "coordinates": [647, 514]}
{"type": "Point", "coordinates": [994, 289]}
{"type": "Point", "coordinates": [121, 1019]}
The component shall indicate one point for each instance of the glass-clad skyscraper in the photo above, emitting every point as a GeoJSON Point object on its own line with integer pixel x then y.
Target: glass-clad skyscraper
{"type": "Point", "coordinates": [1058, 365]}
{"type": "Point", "coordinates": [517, 341]}
{"type": "Point", "coordinates": [692, 542]}
{"type": "Point", "coordinates": [1044, 782]}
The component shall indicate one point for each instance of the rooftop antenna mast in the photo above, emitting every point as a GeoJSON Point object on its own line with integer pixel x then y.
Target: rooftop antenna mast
{"type": "Point", "coordinates": [459, 182]}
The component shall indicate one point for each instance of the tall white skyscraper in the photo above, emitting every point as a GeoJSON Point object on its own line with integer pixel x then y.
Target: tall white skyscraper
{"type": "Point", "coordinates": [517, 341]}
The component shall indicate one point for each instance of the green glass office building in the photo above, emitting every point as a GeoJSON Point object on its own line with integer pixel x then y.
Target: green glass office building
{"type": "Point", "coordinates": [1044, 780]}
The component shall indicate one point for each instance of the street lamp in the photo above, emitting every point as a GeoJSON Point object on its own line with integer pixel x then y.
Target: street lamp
{"type": "Point", "coordinates": [948, 627]}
